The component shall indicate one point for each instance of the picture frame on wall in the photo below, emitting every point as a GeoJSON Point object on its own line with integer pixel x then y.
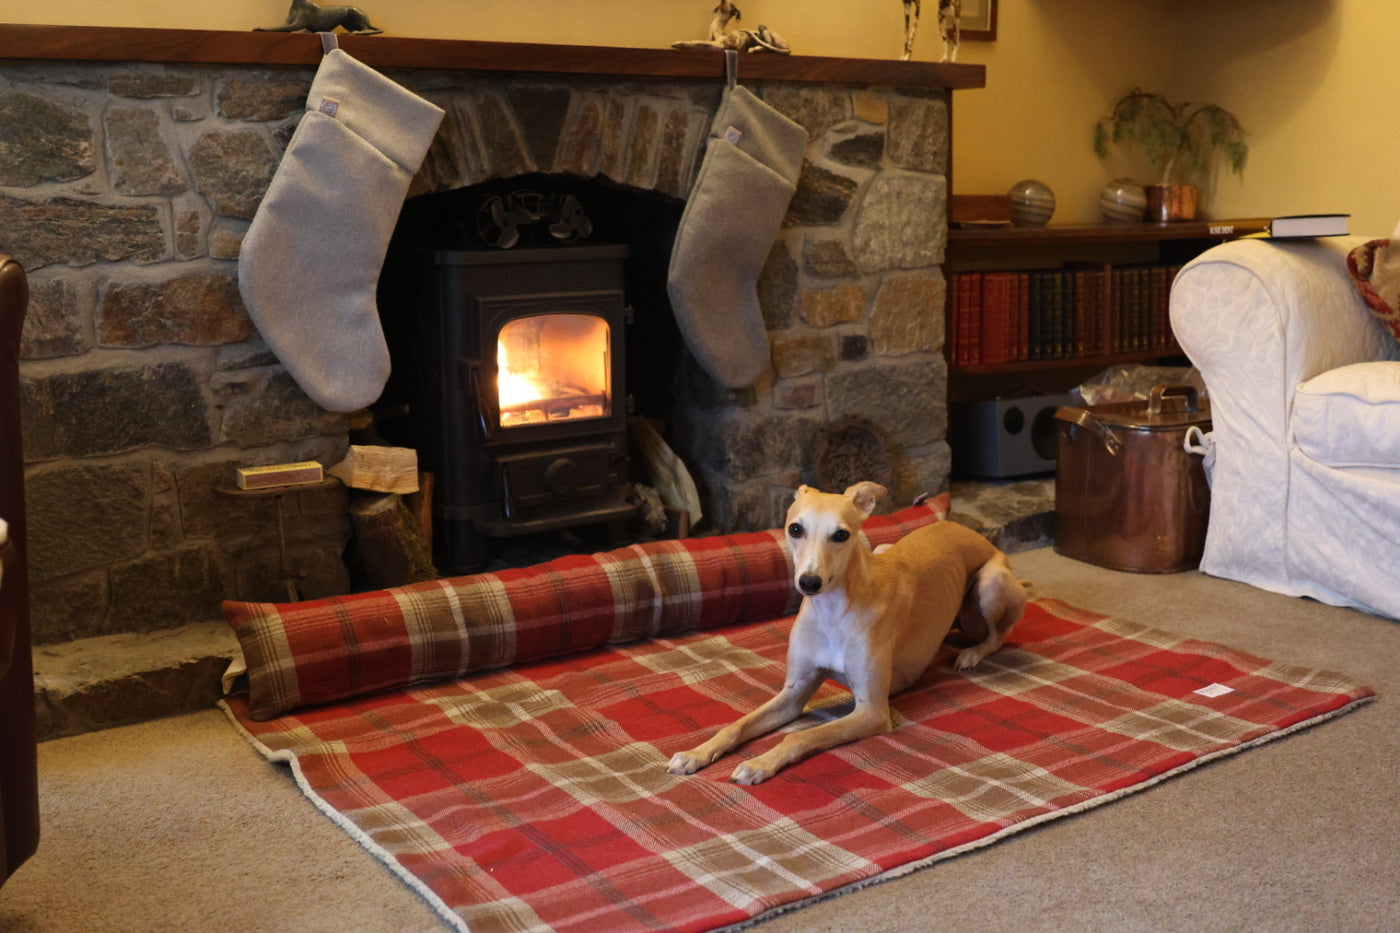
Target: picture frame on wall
{"type": "Point", "coordinates": [979, 20]}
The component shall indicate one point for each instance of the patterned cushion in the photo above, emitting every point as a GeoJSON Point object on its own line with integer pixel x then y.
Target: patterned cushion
{"type": "Point", "coordinates": [1374, 268]}
{"type": "Point", "coordinates": [330, 649]}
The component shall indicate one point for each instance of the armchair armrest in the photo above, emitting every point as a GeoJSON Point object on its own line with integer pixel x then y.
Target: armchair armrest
{"type": "Point", "coordinates": [1259, 317]}
{"type": "Point", "coordinates": [8, 556]}
{"type": "Point", "coordinates": [19, 775]}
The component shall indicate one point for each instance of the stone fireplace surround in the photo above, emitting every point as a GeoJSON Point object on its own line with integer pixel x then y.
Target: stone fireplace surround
{"type": "Point", "coordinates": [132, 161]}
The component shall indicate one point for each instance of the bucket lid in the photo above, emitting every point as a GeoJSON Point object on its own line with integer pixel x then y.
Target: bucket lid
{"type": "Point", "coordinates": [1168, 407]}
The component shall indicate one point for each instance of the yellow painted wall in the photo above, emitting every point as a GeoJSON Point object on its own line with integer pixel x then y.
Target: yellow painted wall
{"type": "Point", "coordinates": [1056, 66]}
{"type": "Point", "coordinates": [1306, 77]}
{"type": "Point", "coordinates": [1313, 80]}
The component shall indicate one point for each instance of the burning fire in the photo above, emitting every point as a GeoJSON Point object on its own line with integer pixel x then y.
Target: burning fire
{"type": "Point", "coordinates": [552, 368]}
{"type": "Point", "coordinates": [515, 389]}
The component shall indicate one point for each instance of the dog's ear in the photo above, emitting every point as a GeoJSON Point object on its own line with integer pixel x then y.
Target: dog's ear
{"type": "Point", "coordinates": [866, 495]}
{"type": "Point", "coordinates": [802, 491]}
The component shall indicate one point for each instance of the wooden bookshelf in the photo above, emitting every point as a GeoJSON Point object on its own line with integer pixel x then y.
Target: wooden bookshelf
{"type": "Point", "coordinates": [1060, 247]}
{"type": "Point", "coordinates": [1214, 231]}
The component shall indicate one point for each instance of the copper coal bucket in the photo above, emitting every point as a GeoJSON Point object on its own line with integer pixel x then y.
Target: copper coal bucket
{"type": "Point", "coordinates": [1128, 495]}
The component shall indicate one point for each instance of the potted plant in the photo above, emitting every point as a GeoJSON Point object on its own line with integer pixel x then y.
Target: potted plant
{"type": "Point", "coordinates": [1180, 141]}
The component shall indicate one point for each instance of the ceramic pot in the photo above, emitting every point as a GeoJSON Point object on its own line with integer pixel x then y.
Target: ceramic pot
{"type": "Point", "coordinates": [1171, 203]}
{"type": "Point", "coordinates": [1122, 201]}
{"type": "Point", "coordinates": [1032, 203]}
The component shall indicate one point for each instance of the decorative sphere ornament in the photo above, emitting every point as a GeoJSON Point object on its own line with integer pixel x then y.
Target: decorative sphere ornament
{"type": "Point", "coordinates": [1032, 203]}
{"type": "Point", "coordinates": [1122, 201]}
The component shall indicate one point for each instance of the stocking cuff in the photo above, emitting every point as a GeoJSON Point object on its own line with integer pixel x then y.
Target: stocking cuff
{"type": "Point", "coordinates": [392, 119]}
{"type": "Point", "coordinates": [768, 136]}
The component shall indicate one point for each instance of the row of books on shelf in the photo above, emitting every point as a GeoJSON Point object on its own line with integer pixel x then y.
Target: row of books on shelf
{"type": "Point", "coordinates": [1054, 314]}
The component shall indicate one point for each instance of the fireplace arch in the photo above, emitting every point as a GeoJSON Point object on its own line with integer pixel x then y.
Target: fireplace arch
{"type": "Point", "coordinates": [852, 293]}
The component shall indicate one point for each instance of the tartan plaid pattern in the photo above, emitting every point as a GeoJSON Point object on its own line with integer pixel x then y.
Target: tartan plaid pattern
{"type": "Point", "coordinates": [537, 798]}
{"type": "Point", "coordinates": [1374, 269]}
{"type": "Point", "coordinates": [325, 650]}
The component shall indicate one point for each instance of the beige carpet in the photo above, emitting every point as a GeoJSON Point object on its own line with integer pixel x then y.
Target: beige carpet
{"type": "Point", "coordinates": [178, 825]}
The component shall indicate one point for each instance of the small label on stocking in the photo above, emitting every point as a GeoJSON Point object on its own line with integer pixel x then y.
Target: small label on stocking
{"type": "Point", "coordinates": [329, 106]}
{"type": "Point", "coordinates": [732, 135]}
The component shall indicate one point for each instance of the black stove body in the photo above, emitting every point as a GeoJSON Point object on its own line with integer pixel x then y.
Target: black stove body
{"type": "Point", "coordinates": [511, 367]}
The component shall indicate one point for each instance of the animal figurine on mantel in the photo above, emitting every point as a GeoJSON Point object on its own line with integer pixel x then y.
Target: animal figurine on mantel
{"type": "Point", "coordinates": [761, 39]}
{"type": "Point", "coordinates": [949, 27]}
{"type": "Point", "coordinates": [306, 16]}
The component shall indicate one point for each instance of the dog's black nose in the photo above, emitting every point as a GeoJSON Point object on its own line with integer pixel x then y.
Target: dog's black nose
{"type": "Point", "coordinates": [810, 583]}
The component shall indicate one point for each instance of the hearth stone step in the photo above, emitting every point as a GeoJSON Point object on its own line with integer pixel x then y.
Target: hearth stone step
{"type": "Point", "coordinates": [1015, 515]}
{"type": "Point", "coordinates": [115, 680]}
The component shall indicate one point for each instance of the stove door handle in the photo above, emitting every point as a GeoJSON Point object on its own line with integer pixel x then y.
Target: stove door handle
{"type": "Point", "coordinates": [469, 371]}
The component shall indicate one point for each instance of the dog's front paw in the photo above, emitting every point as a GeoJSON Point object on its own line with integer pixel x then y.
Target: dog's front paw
{"type": "Point", "coordinates": [967, 659]}
{"type": "Point", "coordinates": [687, 762]}
{"type": "Point", "coordinates": [750, 773]}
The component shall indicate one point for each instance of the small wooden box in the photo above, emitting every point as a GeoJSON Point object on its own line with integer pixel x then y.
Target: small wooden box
{"type": "Point", "coordinates": [280, 474]}
{"type": "Point", "coordinates": [979, 210]}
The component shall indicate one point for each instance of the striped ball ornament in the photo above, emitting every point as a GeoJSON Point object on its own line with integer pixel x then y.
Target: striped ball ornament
{"type": "Point", "coordinates": [1032, 203]}
{"type": "Point", "coordinates": [1122, 201]}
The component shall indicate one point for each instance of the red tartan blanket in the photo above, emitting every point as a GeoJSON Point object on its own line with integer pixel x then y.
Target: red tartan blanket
{"type": "Point", "coordinates": [537, 798]}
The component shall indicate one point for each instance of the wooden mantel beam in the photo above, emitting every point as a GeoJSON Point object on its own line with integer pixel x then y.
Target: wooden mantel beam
{"type": "Point", "coordinates": [209, 46]}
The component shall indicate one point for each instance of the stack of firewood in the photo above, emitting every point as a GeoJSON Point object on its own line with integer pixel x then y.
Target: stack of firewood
{"type": "Point", "coordinates": [394, 527]}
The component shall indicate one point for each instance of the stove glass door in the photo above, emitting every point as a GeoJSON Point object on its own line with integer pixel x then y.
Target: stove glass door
{"type": "Point", "coordinates": [553, 367]}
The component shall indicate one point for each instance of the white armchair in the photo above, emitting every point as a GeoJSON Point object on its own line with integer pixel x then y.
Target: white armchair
{"type": "Point", "coordinates": [1304, 386]}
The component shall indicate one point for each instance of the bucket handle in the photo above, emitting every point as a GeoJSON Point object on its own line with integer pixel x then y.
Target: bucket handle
{"type": "Point", "coordinates": [1086, 420]}
{"type": "Point", "coordinates": [1156, 402]}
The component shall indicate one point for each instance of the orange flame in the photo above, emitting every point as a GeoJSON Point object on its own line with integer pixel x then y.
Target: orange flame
{"type": "Point", "coordinates": [513, 388]}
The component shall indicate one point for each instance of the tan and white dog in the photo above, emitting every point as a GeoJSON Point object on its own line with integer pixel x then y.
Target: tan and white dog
{"type": "Point", "coordinates": [872, 621]}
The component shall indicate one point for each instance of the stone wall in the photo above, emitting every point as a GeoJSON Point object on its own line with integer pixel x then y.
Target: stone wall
{"type": "Point", "coordinates": [125, 191]}
{"type": "Point", "coordinates": [852, 295]}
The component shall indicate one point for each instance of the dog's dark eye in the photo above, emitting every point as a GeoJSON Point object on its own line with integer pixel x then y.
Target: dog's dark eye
{"type": "Point", "coordinates": [795, 530]}
{"type": "Point", "coordinates": [840, 535]}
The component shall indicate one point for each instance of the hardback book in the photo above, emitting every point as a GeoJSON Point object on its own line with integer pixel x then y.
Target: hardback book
{"type": "Point", "coordinates": [1290, 225]}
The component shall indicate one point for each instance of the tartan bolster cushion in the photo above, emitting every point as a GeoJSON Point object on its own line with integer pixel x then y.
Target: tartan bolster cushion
{"type": "Point", "coordinates": [323, 650]}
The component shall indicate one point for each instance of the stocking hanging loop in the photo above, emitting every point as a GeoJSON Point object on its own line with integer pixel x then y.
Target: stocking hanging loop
{"type": "Point", "coordinates": [328, 41]}
{"type": "Point", "coordinates": [731, 67]}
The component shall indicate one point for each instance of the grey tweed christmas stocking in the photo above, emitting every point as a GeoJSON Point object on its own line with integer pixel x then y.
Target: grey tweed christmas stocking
{"type": "Point", "coordinates": [735, 210]}
{"type": "Point", "coordinates": [310, 262]}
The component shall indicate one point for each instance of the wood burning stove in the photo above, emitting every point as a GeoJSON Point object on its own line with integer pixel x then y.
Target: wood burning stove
{"type": "Point", "coordinates": [511, 365]}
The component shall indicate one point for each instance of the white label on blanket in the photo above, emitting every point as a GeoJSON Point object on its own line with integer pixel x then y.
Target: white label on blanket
{"type": "Point", "coordinates": [1215, 690]}
{"type": "Point", "coordinates": [329, 106]}
{"type": "Point", "coordinates": [732, 135]}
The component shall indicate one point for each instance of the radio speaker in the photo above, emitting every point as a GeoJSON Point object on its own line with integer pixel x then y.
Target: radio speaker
{"type": "Point", "coordinates": [1006, 437]}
